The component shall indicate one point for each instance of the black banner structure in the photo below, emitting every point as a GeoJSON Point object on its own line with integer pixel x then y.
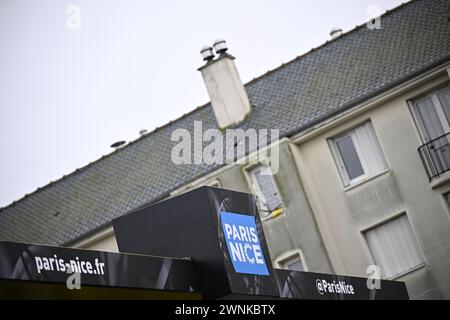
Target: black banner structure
{"type": "Point", "coordinates": [320, 286]}
{"type": "Point", "coordinates": [34, 271]}
{"type": "Point", "coordinates": [217, 250]}
{"type": "Point", "coordinates": [222, 233]}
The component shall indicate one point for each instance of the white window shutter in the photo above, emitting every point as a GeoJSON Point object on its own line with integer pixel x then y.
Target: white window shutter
{"type": "Point", "coordinates": [370, 149]}
{"type": "Point", "coordinates": [265, 188]}
{"type": "Point", "coordinates": [394, 247]}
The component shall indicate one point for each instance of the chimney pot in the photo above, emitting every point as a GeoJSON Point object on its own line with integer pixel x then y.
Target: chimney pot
{"type": "Point", "coordinates": [207, 53]}
{"type": "Point", "coordinates": [220, 46]}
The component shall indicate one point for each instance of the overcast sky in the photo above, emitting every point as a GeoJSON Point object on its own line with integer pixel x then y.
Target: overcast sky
{"type": "Point", "coordinates": [67, 93]}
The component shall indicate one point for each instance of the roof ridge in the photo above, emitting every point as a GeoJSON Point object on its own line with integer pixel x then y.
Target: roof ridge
{"type": "Point", "coordinates": [357, 27]}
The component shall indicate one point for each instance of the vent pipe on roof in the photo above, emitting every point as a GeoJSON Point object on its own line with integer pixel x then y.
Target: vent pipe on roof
{"type": "Point", "coordinates": [118, 144]}
{"type": "Point", "coordinates": [335, 33]}
{"type": "Point", "coordinates": [142, 132]}
{"type": "Point", "coordinates": [207, 53]}
{"type": "Point", "coordinates": [220, 46]}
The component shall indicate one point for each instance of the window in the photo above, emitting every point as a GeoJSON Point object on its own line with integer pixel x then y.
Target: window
{"type": "Point", "coordinates": [265, 190]}
{"type": "Point", "coordinates": [432, 114]}
{"type": "Point", "coordinates": [293, 262]}
{"type": "Point", "coordinates": [394, 247]}
{"type": "Point", "coordinates": [358, 154]}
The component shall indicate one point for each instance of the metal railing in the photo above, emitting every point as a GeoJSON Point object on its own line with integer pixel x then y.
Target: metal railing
{"type": "Point", "coordinates": [435, 156]}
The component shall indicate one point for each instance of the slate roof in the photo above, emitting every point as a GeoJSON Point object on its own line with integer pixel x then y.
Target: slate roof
{"type": "Point", "coordinates": [323, 82]}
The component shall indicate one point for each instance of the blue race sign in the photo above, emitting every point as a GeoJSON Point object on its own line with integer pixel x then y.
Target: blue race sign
{"type": "Point", "coordinates": [243, 243]}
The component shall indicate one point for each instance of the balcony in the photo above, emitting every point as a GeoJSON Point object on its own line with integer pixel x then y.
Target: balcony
{"type": "Point", "coordinates": [435, 156]}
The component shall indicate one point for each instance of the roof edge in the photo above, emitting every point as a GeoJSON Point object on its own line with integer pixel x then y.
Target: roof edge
{"type": "Point", "coordinates": [327, 42]}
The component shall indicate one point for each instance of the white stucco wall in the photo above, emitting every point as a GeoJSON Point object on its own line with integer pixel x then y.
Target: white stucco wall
{"type": "Point", "coordinates": [101, 241]}
{"type": "Point", "coordinates": [343, 215]}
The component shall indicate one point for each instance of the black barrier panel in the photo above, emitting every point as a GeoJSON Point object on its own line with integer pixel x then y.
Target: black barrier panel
{"type": "Point", "coordinates": [103, 269]}
{"type": "Point", "coordinates": [222, 233]}
{"type": "Point", "coordinates": [320, 286]}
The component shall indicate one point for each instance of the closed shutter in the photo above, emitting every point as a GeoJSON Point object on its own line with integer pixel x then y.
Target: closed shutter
{"type": "Point", "coordinates": [394, 247]}
{"type": "Point", "coordinates": [265, 190]}
{"type": "Point", "coordinates": [370, 149]}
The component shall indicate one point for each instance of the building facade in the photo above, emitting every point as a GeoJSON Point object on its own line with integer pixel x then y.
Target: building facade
{"type": "Point", "coordinates": [372, 196]}
{"type": "Point", "coordinates": [364, 159]}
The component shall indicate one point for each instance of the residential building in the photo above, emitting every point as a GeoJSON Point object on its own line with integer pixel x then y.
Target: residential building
{"type": "Point", "coordinates": [364, 169]}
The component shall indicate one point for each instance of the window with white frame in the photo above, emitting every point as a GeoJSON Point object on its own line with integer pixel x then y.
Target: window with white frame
{"type": "Point", "coordinates": [265, 190]}
{"type": "Point", "coordinates": [293, 262]}
{"type": "Point", "coordinates": [394, 247]}
{"type": "Point", "coordinates": [432, 114]}
{"type": "Point", "coordinates": [358, 154]}
{"type": "Point", "coordinates": [432, 117]}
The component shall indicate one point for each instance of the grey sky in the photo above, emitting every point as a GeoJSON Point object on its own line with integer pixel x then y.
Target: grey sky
{"type": "Point", "coordinates": [66, 95]}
